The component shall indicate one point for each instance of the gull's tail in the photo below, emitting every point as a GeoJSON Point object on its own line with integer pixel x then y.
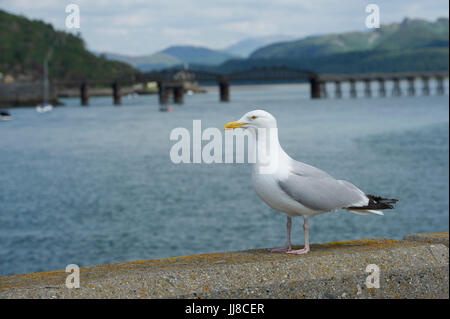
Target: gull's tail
{"type": "Point", "coordinates": [375, 205]}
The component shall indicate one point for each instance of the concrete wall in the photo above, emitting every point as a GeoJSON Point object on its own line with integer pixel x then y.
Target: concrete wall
{"type": "Point", "coordinates": [416, 267]}
{"type": "Point", "coordinates": [24, 94]}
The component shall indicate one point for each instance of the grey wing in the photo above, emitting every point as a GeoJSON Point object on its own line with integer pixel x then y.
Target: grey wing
{"type": "Point", "coordinates": [303, 169]}
{"type": "Point", "coordinates": [317, 190]}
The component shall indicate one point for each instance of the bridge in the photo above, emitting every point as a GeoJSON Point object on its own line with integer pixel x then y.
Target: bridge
{"type": "Point", "coordinates": [172, 82]}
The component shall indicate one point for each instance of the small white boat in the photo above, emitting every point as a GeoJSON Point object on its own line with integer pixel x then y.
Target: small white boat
{"type": "Point", "coordinates": [5, 116]}
{"type": "Point", "coordinates": [190, 92]}
{"type": "Point", "coordinates": [44, 108]}
{"type": "Point", "coordinates": [133, 95]}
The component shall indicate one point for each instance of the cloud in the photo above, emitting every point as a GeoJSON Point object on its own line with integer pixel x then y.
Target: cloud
{"type": "Point", "coordinates": [145, 26]}
{"type": "Point", "coordinates": [251, 28]}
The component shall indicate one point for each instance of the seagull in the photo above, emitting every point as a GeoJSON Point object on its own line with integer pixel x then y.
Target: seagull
{"type": "Point", "coordinates": [295, 188]}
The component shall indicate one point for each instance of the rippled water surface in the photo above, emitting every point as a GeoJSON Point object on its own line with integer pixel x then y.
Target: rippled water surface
{"type": "Point", "coordinates": [94, 185]}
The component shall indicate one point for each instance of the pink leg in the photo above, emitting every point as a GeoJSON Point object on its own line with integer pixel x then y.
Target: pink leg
{"type": "Point", "coordinates": [288, 246]}
{"type": "Point", "coordinates": [306, 249]}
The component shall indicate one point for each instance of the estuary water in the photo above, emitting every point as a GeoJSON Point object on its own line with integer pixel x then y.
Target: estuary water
{"type": "Point", "coordinates": [94, 185]}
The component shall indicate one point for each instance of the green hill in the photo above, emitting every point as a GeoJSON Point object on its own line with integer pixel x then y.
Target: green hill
{"type": "Point", "coordinates": [24, 44]}
{"type": "Point", "coordinates": [409, 34]}
{"type": "Point", "coordinates": [316, 46]}
{"type": "Point", "coordinates": [412, 45]}
{"type": "Point", "coordinates": [415, 34]}
{"type": "Point", "coordinates": [424, 59]}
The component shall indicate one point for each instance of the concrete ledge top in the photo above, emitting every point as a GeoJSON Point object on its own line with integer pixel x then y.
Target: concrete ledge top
{"type": "Point", "coordinates": [436, 238]}
{"type": "Point", "coordinates": [408, 269]}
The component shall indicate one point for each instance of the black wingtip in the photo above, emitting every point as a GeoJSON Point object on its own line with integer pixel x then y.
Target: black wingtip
{"type": "Point", "coordinates": [388, 203]}
{"type": "Point", "coordinates": [378, 203]}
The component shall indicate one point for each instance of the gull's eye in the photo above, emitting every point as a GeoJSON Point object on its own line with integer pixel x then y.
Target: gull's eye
{"type": "Point", "coordinates": [254, 117]}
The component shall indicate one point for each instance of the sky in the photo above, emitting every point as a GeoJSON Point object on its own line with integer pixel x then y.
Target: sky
{"type": "Point", "coordinates": [138, 27]}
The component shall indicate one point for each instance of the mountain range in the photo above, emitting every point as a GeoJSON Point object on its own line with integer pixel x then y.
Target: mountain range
{"type": "Point", "coordinates": [407, 35]}
{"type": "Point", "coordinates": [185, 54]}
{"type": "Point", "coordinates": [413, 44]}
{"type": "Point", "coordinates": [172, 56]}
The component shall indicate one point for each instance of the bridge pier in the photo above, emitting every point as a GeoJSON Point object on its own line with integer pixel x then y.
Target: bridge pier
{"type": "Point", "coordinates": [411, 88]}
{"type": "Point", "coordinates": [224, 91]}
{"type": "Point", "coordinates": [396, 91]}
{"type": "Point", "coordinates": [84, 94]}
{"type": "Point", "coordinates": [116, 93]}
{"type": "Point", "coordinates": [426, 85]}
{"type": "Point", "coordinates": [367, 88]}
{"type": "Point", "coordinates": [315, 88]}
{"type": "Point", "coordinates": [338, 89]}
{"type": "Point", "coordinates": [178, 94]}
{"type": "Point", "coordinates": [163, 93]}
{"type": "Point", "coordinates": [381, 88]}
{"type": "Point", "coordinates": [353, 88]}
{"type": "Point", "coordinates": [440, 85]}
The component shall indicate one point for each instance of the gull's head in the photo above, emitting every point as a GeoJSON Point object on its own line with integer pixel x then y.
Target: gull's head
{"type": "Point", "coordinates": [254, 119]}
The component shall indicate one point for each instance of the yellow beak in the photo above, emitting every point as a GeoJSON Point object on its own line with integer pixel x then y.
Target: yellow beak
{"type": "Point", "coordinates": [234, 124]}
